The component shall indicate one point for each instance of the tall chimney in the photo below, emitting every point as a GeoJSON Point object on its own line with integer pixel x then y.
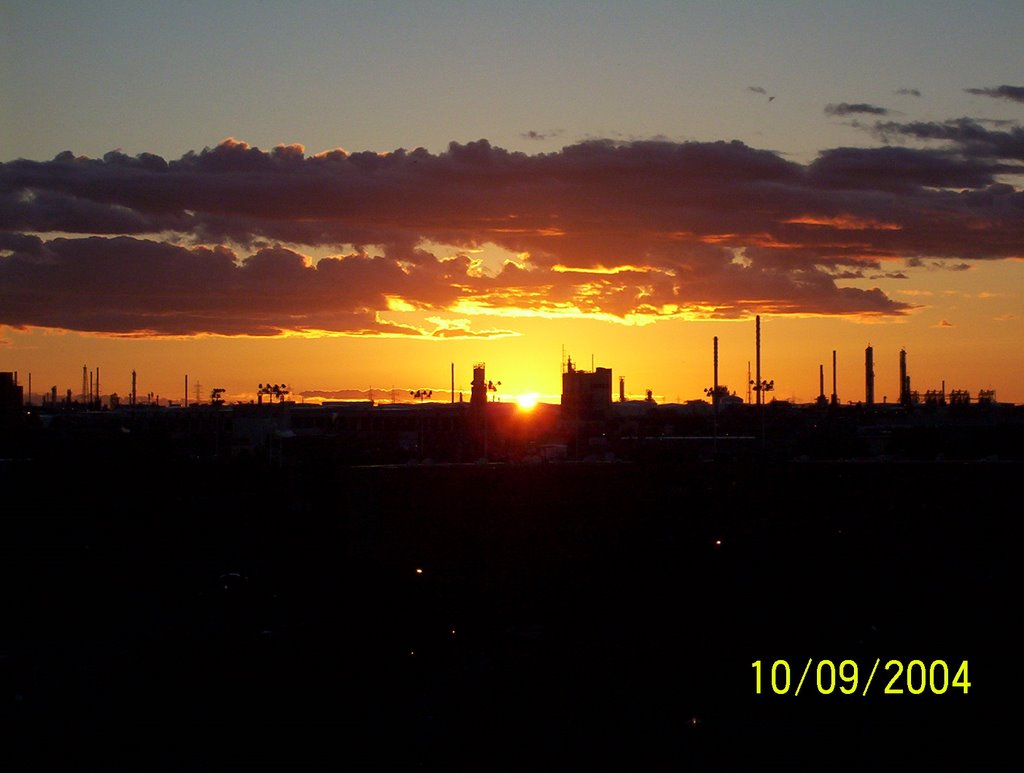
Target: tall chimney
{"type": "Point", "coordinates": [869, 376]}
{"type": "Point", "coordinates": [821, 383]}
{"type": "Point", "coordinates": [835, 397]}
{"type": "Point", "coordinates": [904, 379]}
{"type": "Point", "coordinates": [757, 346]}
{"type": "Point", "coordinates": [714, 394]}
{"type": "Point", "coordinates": [622, 389]}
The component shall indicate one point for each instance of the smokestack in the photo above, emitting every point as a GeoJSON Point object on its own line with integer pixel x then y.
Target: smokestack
{"type": "Point", "coordinates": [869, 376]}
{"type": "Point", "coordinates": [133, 388]}
{"type": "Point", "coordinates": [186, 390]}
{"type": "Point", "coordinates": [453, 383]}
{"type": "Point", "coordinates": [835, 397]}
{"type": "Point", "coordinates": [757, 346]}
{"type": "Point", "coordinates": [714, 395]}
{"type": "Point", "coordinates": [904, 379]}
{"type": "Point", "coordinates": [821, 383]}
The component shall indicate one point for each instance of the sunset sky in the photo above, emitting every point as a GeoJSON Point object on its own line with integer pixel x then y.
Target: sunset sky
{"type": "Point", "coordinates": [344, 196]}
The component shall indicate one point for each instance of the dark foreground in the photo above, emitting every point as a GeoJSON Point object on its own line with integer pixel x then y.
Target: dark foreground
{"type": "Point", "coordinates": [180, 618]}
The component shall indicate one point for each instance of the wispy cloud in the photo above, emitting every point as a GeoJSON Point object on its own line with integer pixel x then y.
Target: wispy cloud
{"type": "Point", "coordinates": [760, 90]}
{"type": "Point", "coordinates": [860, 108]}
{"type": "Point", "coordinates": [1013, 93]}
{"type": "Point", "coordinates": [908, 92]}
{"type": "Point", "coordinates": [389, 394]}
{"type": "Point", "coordinates": [541, 135]}
{"type": "Point", "coordinates": [937, 265]}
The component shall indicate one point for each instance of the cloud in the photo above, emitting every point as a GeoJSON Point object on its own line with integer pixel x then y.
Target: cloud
{"type": "Point", "coordinates": [124, 285]}
{"type": "Point", "coordinates": [908, 92]}
{"type": "Point", "coordinates": [872, 169]}
{"type": "Point", "coordinates": [943, 324]}
{"type": "Point", "coordinates": [937, 265]}
{"type": "Point", "coordinates": [362, 395]}
{"type": "Point", "coordinates": [760, 90]}
{"type": "Point", "coordinates": [220, 241]}
{"type": "Point", "coordinates": [389, 394]}
{"type": "Point", "coordinates": [1013, 93]}
{"type": "Point", "coordinates": [844, 108]}
{"type": "Point", "coordinates": [968, 136]}
{"type": "Point", "coordinates": [541, 135]}
{"type": "Point", "coordinates": [461, 328]}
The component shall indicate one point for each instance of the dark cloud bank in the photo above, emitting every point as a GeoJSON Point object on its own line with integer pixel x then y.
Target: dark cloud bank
{"type": "Point", "coordinates": [214, 242]}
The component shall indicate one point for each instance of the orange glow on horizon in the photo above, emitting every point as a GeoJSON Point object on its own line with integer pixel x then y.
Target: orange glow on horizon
{"type": "Point", "coordinates": [527, 401]}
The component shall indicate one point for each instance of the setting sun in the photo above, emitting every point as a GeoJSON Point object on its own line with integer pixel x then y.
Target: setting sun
{"type": "Point", "coordinates": [527, 401]}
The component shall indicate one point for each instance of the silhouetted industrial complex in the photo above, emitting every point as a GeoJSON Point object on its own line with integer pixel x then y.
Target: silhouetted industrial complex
{"type": "Point", "coordinates": [587, 425]}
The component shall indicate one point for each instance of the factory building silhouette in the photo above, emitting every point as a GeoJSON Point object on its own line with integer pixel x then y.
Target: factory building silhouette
{"type": "Point", "coordinates": [586, 395]}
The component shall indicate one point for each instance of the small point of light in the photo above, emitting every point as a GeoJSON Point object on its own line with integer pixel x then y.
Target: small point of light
{"type": "Point", "coordinates": [718, 543]}
{"type": "Point", "coordinates": [412, 652]}
{"type": "Point", "coordinates": [419, 571]}
{"type": "Point", "coordinates": [453, 631]}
